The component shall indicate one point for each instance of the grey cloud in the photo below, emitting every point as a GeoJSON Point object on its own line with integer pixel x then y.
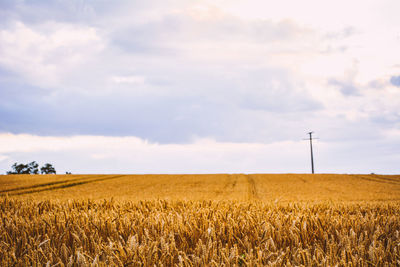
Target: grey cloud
{"type": "Point", "coordinates": [285, 30]}
{"type": "Point", "coordinates": [345, 87]}
{"type": "Point", "coordinates": [40, 11]}
{"type": "Point", "coordinates": [144, 39]}
{"type": "Point", "coordinates": [157, 35]}
{"type": "Point", "coordinates": [158, 119]}
{"type": "Point", "coordinates": [279, 102]}
{"type": "Point", "coordinates": [273, 91]}
{"type": "Point", "coordinates": [231, 28]}
{"type": "Point", "coordinates": [188, 104]}
{"type": "Point", "coordinates": [395, 80]}
{"type": "Point", "coordinates": [377, 84]}
{"type": "Point", "coordinates": [96, 13]}
{"type": "Point", "coordinates": [343, 33]}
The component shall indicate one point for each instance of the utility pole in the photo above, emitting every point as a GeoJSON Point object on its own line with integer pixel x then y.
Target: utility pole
{"type": "Point", "coordinates": [312, 156]}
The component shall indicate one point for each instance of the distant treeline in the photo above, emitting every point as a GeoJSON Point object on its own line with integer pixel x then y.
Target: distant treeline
{"type": "Point", "coordinates": [31, 168]}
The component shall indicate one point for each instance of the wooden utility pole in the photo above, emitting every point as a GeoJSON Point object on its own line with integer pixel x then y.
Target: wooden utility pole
{"type": "Point", "coordinates": [312, 156]}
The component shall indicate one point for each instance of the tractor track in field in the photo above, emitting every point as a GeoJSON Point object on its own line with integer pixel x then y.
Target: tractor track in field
{"type": "Point", "coordinates": [21, 188]}
{"type": "Point", "coordinates": [302, 179]}
{"type": "Point", "coordinates": [58, 185]}
{"type": "Point", "coordinates": [229, 184]}
{"type": "Point", "coordinates": [232, 183]}
{"type": "Point", "coordinates": [378, 179]}
{"type": "Point", "coordinates": [394, 179]}
{"type": "Point", "coordinates": [236, 177]}
{"type": "Point", "coordinates": [252, 188]}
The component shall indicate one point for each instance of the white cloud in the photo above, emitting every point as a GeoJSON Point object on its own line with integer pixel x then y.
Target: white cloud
{"type": "Point", "coordinates": [100, 154]}
{"type": "Point", "coordinates": [3, 158]}
{"type": "Point", "coordinates": [133, 79]}
{"type": "Point", "coordinates": [45, 53]}
{"type": "Point", "coordinates": [134, 155]}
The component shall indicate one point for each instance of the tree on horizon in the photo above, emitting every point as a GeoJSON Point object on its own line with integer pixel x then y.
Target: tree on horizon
{"type": "Point", "coordinates": [48, 169]}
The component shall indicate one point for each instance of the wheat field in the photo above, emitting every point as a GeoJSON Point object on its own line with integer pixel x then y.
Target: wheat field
{"type": "Point", "coordinates": [200, 220]}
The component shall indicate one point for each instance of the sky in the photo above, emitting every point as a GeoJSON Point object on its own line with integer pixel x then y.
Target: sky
{"type": "Point", "coordinates": [181, 86]}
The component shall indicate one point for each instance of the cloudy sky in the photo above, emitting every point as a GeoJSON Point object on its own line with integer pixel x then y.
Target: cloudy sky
{"type": "Point", "coordinates": [181, 86]}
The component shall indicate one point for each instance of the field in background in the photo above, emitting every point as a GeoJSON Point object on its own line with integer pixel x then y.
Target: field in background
{"type": "Point", "coordinates": [200, 220]}
{"type": "Point", "coordinates": [240, 187]}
